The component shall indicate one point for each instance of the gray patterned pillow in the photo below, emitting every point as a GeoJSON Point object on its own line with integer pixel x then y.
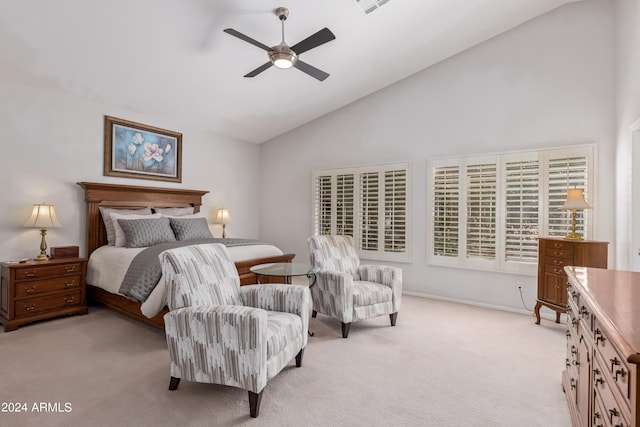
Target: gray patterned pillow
{"type": "Point", "coordinates": [190, 228]}
{"type": "Point", "coordinates": [174, 211]}
{"type": "Point", "coordinates": [140, 233]}
{"type": "Point", "coordinates": [108, 223]}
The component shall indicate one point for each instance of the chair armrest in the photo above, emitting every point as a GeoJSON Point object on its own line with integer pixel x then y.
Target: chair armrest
{"type": "Point", "coordinates": [385, 275]}
{"type": "Point", "coordinates": [294, 299]}
{"type": "Point", "coordinates": [333, 294]}
{"type": "Point", "coordinates": [224, 330]}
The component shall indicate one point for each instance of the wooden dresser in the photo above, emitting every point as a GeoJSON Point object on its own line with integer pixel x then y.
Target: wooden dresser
{"type": "Point", "coordinates": [38, 290]}
{"type": "Point", "coordinates": [603, 347]}
{"type": "Point", "coordinates": [553, 256]}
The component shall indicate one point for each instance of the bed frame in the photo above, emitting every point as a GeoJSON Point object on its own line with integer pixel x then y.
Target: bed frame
{"type": "Point", "coordinates": [132, 197]}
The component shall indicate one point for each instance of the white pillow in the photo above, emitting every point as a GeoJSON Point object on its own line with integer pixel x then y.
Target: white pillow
{"type": "Point", "coordinates": [121, 240]}
{"type": "Point", "coordinates": [195, 215]}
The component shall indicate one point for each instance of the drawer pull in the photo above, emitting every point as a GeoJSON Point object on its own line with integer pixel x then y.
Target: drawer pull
{"type": "Point", "coordinates": [70, 284]}
{"type": "Point", "coordinates": [599, 337]}
{"type": "Point", "coordinates": [31, 290]}
{"type": "Point", "coordinates": [613, 413]}
{"type": "Point", "coordinates": [574, 294]}
{"type": "Point", "coordinates": [557, 245]}
{"type": "Point", "coordinates": [573, 383]}
{"type": "Point", "coordinates": [30, 274]}
{"type": "Point", "coordinates": [614, 362]}
{"type": "Point", "coordinates": [583, 311]}
{"type": "Point", "coordinates": [70, 269]}
{"type": "Point", "coordinates": [574, 350]}
{"type": "Point", "coordinates": [620, 372]}
{"type": "Point", "coordinates": [568, 333]}
{"type": "Point", "coordinates": [69, 300]}
{"type": "Point", "coordinates": [33, 307]}
{"type": "Point", "coordinates": [567, 363]}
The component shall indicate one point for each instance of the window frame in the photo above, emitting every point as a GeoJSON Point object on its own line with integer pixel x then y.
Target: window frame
{"type": "Point", "coordinates": [500, 263]}
{"type": "Point", "coordinates": [381, 168]}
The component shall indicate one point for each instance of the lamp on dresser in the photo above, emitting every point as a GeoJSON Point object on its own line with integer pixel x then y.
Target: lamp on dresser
{"type": "Point", "coordinates": [575, 200]}
{"type": "Point", "coordinates": [43, 216]}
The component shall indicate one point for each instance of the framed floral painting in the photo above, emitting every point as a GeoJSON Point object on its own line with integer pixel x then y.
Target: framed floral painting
{"type": "Point", "coordinates": [134, 150]}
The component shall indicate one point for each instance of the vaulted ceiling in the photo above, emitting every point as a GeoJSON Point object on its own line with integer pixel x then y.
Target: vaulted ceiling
{"type": "Point", "coordinates": [171, 58]}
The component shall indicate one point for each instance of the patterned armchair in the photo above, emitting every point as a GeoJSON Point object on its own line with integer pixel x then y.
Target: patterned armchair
{"type": "Point", "coordinates": [348, 291]}
{"type": "Point", "coordinates": [218, 332]}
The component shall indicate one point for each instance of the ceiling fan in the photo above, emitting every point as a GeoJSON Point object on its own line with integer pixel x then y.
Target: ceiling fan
{"type": "Point", "coordinates": [283, 56]}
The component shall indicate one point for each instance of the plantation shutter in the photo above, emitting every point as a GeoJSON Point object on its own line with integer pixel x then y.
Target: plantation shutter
{"type": "Point", "coordinates": [481, 211]}
{"type": "Point", "coordinates": [522, 200]}
{"type": "Point", "coordinates": [395, 210]}
{"type": "Point", "coordinates": [564, 173]}
{"type": "Point", "coordinates": [368, 215]}
{"type": "Point", "coordinates": [446, 199]}
{"type": "Point", "coordinates": [322, 206]}
{"type": "Point", "coordinates": [345, 204]}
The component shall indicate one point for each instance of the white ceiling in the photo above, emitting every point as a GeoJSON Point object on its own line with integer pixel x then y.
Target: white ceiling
{"type": "Point", "coordinates": [171, 59]}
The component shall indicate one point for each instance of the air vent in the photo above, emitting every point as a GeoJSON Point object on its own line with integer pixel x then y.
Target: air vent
{"type": "Point", "coordinates": [369, 6]}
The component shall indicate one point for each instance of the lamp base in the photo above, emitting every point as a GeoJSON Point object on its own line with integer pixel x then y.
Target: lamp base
{"type": "Point", "coordinates": [573, 236]}
{"type": "Point", "coordinates": [41, 257]}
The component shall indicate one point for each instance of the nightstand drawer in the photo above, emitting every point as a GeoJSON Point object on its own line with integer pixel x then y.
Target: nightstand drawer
{"type": "Point", "coordinates": [32, 306]}
{"type": "Point", "coordinates": [27, 289]}
{"type": "Point", "coordinates": [45, 271]}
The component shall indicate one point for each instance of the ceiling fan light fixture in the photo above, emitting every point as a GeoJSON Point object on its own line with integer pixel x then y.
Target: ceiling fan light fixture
{"type": "Point", "coordinates": [282, 57]}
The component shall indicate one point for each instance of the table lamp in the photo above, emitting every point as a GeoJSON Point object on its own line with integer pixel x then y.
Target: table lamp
{"type": "Point", "coordinates": [222, 217]}
{"type": "Point", "coordinates": [575, 200]}
{"type": "Point", "coordinates": [43, 216]}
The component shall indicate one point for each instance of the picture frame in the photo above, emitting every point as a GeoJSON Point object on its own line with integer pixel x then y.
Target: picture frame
{"type": "Point", "coordinates": [135, 150]}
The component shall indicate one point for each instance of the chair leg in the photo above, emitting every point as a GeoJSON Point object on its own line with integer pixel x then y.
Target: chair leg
{"type": "Point", "coordinates": [173, 384]}
{"type": "Point", "coordinates": [393, 317]}
{"type": "Point", "coordinates": [299, 358]}
{"type": "Point", "coordinates": [314, 314]}
{"type": "Point", "coordinates": [254, 403]}
{"type": "Point", "coordinates": [345, 329]}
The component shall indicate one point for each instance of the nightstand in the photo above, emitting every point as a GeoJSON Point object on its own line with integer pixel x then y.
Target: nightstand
{"type": "Point", "coordinates": [38, 290]}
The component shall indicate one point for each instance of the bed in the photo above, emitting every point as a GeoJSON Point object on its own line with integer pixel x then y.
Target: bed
{"type": "Point", "coordinates": [133, 197]}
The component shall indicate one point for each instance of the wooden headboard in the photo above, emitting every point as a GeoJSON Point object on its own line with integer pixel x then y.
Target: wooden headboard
{"type": "Point", "coordinates": [129, 197]}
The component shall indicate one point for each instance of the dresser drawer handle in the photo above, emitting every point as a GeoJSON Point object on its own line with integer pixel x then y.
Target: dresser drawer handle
{"type": "Point", "coordinates": [557, 245]}
{"type": "Point", "coordinates": [69, 300]}
{"type": "Point", "coordinates": [31, 290]}
{"type": "Point", "coordinates": [599, 337]}
{"type": "Point", "coordinates": [613, 413]}
{"type": "Point", "coordinates": [557, 270]}
{"type": "Point", "coordinates": [614, 362]}
{"type": "Point", "coordinates": [33, 307]}
{"type": "Point", "coordinates": [557, 253]}
{"type": "Point", "coordinates": [567, 333]}
{"type": "Point", "coordinates": [567, 363]}
{"type": "Point", "coordinates": [70, 284]}
{"type": "Point", "coordinates": [620, 372]}
{"type": "Point", "coordinates": [70, 269]}
{"type": "Point", "coordinates": [574, 350]}
{"type": "Point", "coordinates": [573, 383]}
{"type": "Point", "coordinates": [583, 311]}
{"type": "Point", "coordinates": [30, 274]}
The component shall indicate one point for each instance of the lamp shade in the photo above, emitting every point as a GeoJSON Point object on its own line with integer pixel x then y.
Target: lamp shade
{"type": "Point", "coordinates": [43, 216]}
{"type": "Point", "coordinates": [222, 216]}
{"type": "Point", "coordinates": [575, 200]}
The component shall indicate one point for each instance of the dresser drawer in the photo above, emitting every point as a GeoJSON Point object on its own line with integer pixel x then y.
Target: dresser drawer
{"type": "Point", "coordinates": [552, 262]}
{"type": "Point", "coordinates": [43, 304]}
{"type": "Point", "coordinates": [46, 271]}
{"type": "Point", "coordinates": [614, 412]}
{"type": "Point", "coordinates": [615, 367]}
{"type": "Point", "coordinates": [35, 287]}
{"type": "Point", "coordinates": [559, 253]}
{"type": "Point", "coordinates": [554, 269]}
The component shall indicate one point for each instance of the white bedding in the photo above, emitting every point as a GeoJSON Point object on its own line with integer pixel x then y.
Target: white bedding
{"type": "Point", "coordinates": [108, 265]}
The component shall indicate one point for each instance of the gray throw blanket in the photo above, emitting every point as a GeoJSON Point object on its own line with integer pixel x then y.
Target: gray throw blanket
{"type": "Point", "coordinates": [145, 270]}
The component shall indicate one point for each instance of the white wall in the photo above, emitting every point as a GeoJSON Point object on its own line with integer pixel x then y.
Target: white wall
{"type": "Point", "coordinates": [50, 141]}
{"type": "Point", "coordinates": [628, 112]}
{"type": "Point", "coordinates": [547, 82]}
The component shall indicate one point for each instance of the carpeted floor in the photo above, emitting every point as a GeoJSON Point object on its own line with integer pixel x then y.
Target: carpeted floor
{"type": "Point", "coordinates": [444, 364]}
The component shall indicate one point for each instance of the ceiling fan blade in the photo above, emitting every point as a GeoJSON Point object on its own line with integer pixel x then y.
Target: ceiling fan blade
{"type": "Point", "coordinates": [259, 70]}
{"type": "Point", "coordinates": [246, 38]}
{"type": "Point", "coordinates": [311, 70]}
{"type": "Point", "coordinates": [321, 37]}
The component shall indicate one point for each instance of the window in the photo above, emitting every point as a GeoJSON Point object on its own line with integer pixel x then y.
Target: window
{"type": "Point", "coordinates": [487, 212]}
{"type": "Point", "coordinates": [370, 203]}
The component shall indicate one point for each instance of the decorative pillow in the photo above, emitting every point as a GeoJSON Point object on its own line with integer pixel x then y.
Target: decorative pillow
{"type": "Point", "coordinates": [140, 233]}
{"type": "Point", "coordinates": [174, 211]}
{"type": "Point", "coordinates": [190, 228]}
{"type": "Point", "coordinates": [108, 223]}
{"type": "Point", "coordinates": [121, 240]}
{"type": "Point", "coordinates": [195, 215]}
